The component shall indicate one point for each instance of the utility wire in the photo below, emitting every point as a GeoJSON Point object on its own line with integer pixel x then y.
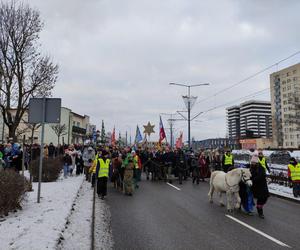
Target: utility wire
{"type": "Point", "coordinates": [233, 101]}
{"type": "Point", "coordinates": [249, 77]}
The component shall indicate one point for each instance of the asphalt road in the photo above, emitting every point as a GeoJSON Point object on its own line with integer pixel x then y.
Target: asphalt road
{"type": "Point", "coordinates": [159, 216]}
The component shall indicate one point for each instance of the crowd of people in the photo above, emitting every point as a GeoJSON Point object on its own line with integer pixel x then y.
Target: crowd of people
{"type": "Point", "coordinates": [124, 167]}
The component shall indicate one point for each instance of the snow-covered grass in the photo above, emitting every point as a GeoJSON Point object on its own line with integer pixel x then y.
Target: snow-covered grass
{"type": "Point", "coordinates": [77, 235]}
{"type": "Point", "coordinates": [39, 225]}
{"type": "Point", "coordinates": [282, 191]}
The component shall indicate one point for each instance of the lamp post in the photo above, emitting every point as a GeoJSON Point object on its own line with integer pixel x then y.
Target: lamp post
{"type": "Point", "coordinates": [189, 104]}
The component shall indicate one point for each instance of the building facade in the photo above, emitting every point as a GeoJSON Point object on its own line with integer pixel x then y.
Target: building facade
{"type": "Point", "coordinates": [77, 129]}
{"type": "Point", "coordinates": [251, 119]}
{"type": "Point", "coordinates": [285, 90]}
{"type": "Point", "coordinates": [255, 119]}
{"type": "Point", "coordinates": [233, 122]}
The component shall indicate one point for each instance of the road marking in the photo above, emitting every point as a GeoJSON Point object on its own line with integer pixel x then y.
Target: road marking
{"type": "Point", "coordinates": [173, 186]}
{"type": "Point", "coordinates": [258, 231]}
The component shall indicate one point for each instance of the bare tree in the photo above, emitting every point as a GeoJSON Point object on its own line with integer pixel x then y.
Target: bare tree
{"type": "Point", "coordinates": [25, 73]}
{"type": "Point", "coordinates": [59, 130]}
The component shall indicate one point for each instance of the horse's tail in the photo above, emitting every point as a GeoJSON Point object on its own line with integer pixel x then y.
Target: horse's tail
{"type": "Point", "coordinates": [211, 188]}
{"type": "Point", "coordinates": [212, 177]}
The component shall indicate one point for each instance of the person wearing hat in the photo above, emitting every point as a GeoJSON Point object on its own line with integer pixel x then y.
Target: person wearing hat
{"type": "Point", "coordinates": [262, 161]}
{"type": "Point", "coordinates": [102, 173]}
{"type": "Point", "coordinates": [294, 176]}
{"type": "Point", "coordinates": [228, 161]}
{"type": "Point", "coordinates": [259, 188]}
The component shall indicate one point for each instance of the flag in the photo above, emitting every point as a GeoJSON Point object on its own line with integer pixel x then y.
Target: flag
{"type": "Point", "coordinates": [138, 135]}
{"type": "Point", "coordinates": [113, 137]}
{"type": "Point", "coordinates": [162, 134]}
{"type": "Point", "coordinates": [179, 143]}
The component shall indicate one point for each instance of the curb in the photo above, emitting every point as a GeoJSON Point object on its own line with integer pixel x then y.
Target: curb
{"type": "Point", "coordinates": [93, 219]}
{"type": "Point", "coordinates": [284, 198]}
{"type": "Point", "coordinates": [61, 237]}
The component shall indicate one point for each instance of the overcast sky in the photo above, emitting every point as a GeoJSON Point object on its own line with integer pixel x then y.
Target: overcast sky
{"type": "Point", "coordinates": [117, 57]}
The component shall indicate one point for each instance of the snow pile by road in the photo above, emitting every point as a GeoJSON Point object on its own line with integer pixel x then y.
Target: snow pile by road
{"type": "Point", "coordinates": [103, 231]}
{"type": "Point", "coordinates": [39, 226]}
{"type": "Point", "coordinates": [77, 234]}
{"type": "Point", "coordinates": [282, 191]}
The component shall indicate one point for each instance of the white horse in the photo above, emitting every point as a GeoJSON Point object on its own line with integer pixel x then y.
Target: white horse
{"type": "Point", "coordinates": [229, 183]}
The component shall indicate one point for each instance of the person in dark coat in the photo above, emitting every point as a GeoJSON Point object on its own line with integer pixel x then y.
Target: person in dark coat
{"type": "Point", "coordinates": [181, 165]}
{"type": "Point", "coordinates": [51, 150]}
{"type": "Point", "coordinates": [259, 188]}
{"type": "Point", "coordinates": [79, 163]}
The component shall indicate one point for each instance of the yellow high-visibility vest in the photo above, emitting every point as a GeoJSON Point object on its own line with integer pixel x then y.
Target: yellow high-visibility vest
{"type": "Point", "coordinates": [295, 172]}
{"type": "Point", "coordinates": [104, 168]}
{"type": "Point", "coordinates": [228, 159]}
{"type": "Point", "coordinates": [263, 163]}
{"type": "Point", "coordinates": [136, 162]}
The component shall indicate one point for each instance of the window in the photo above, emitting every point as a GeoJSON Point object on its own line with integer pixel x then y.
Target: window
{"type": "Point", "coordinates": [288, 74]}
{"type": "Point", "coordinates": [288, 80]}
{"type": "Point", "coordinates": [74, 123]}
{"type": "Point", "coordinates": [78, 124]}
{"type": "Point", "coordinates": [294, 71]}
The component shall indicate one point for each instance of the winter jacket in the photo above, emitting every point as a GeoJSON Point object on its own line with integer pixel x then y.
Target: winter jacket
{"type": "Point", "coordinates": [259, 188]}
{"type": "Point", "coordinates": [67, 160]}
{"type": "Point", "coordinates": [88, 157]}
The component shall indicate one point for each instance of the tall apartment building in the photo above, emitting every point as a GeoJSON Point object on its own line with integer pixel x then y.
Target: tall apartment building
{"type": "Point", "coordinates": [256, 119]}
{"type": "Point", "coordinates": [250, 119]}
{"type": "Point", "coordinates": [285, 99]}
{"type": "Point", "coordinates": [233, 122]}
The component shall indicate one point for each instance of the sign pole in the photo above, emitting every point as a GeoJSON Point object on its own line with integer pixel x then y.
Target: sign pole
{"type": "Point", "coordinates": [23, 157]}
{"type": "Point", "coordinates": [41, 150]}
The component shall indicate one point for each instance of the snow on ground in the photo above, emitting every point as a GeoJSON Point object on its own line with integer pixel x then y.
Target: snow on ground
{"type": "Point", "coordinates": [77, 235]}
{"type": "Point", "coordinates": [39, 226]}
{"type": "Point", "coordinates": [282, 191]}
{"type": "Point", "coordinates": [103, 232]}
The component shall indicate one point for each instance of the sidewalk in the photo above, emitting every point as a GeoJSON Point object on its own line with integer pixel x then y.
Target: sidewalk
{"type": "Point", "coordinates": [39, 226]}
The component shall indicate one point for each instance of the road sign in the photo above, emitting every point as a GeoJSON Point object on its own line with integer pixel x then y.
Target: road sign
{"type": "Point", "coordinates": [43, 110]}
{"type": "Point", "coordinates": [52, 110]}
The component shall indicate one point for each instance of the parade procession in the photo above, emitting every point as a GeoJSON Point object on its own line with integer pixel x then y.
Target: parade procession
{"type": "Point", "coordinates": [149, 125]}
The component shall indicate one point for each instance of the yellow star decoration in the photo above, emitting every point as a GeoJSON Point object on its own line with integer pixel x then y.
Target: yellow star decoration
{"type": "Point", "coordinates": [148, 129]}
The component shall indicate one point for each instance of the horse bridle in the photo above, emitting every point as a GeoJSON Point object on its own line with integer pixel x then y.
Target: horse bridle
{"type": "Point", "coordinates": [244, 180]}
{"type": "Point", "coordinates": [243, 177]}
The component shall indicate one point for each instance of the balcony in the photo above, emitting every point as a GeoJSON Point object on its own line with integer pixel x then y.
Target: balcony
{"type": "Point", "coordinates": [78, 130]}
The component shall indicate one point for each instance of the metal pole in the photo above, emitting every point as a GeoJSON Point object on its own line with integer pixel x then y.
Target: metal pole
{"type": "Point", "coordinates": [171, 132]}
{"type": "Point", "coordinates": [41, 151]}
{"type": "Point", "coordinates": [189, 116]}
{"type": "Point", "coordinates": [23, 157]}
{"type": "Point", "coordinates": [126, 139]}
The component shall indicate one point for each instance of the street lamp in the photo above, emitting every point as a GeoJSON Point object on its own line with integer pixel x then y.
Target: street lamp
{"type": "Point", "coordinates": [188, 102]}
